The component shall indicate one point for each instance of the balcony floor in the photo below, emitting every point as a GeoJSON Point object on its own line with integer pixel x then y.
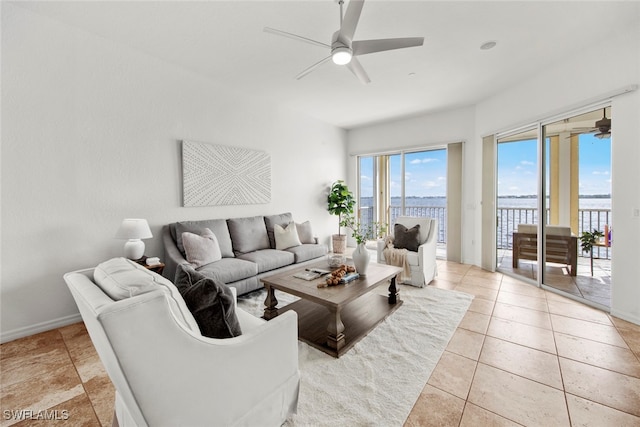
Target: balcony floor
{"type": "Point", "coordinates": [596, 288]}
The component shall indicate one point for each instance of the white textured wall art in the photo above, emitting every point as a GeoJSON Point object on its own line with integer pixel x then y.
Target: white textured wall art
{"type": "Point", "coordinates": [215, 175]}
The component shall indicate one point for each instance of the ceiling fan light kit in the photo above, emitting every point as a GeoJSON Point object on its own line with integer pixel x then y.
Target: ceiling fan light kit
{"type": "Point", "coordinates": [341, 55]}
{"type": "Point", "coordinates": [343, 49]}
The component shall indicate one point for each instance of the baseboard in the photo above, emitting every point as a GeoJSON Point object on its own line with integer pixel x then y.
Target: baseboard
{"type": "Point", "coordinates": [39, 327]}
{"type": "Point", "coordinates": [625, 316]}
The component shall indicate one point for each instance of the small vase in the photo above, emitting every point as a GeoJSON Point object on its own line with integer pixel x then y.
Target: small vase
{"type": "Point", "coordinates": [361, 259]}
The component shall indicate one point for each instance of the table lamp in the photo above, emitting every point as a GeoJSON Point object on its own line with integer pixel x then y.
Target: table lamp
{"type": "Point", "coordinates": [134, 230]}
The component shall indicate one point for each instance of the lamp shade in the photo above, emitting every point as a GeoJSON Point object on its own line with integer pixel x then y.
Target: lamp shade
{"type": "Point", "coordinates": [134, 230]}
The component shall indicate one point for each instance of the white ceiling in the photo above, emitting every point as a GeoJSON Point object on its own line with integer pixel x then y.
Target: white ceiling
{"type": "Point", "coordinates": [224, 41]}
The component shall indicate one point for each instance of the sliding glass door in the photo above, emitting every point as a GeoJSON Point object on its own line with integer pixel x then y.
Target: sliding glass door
{"type": "Point", "coordinates": [517, 203]}
{"type": "Point", "coordinates": [553, 212]}
{"type": "Point", "coordinates": [578, 194]}
{"type": "Point", "coordinates": [404, 184]}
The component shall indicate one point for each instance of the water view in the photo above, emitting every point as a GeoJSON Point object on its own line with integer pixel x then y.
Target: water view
{"type": "Point", "coordinates": [586, 202]}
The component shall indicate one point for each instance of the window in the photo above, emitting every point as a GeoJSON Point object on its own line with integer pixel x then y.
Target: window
{"type": "Point", "coordinates": [406, 183]}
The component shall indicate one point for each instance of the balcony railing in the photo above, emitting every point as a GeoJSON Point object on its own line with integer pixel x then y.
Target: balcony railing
{"type": "Point", "coordinates": [588, 220]}
{"type": "Point", "coordinates": [440, 213]}
{"type": "Point", "coordinates": [508, 220]}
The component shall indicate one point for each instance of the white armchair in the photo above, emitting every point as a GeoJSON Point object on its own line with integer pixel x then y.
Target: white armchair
{"type": "Point", "coordinates": [167, 374]}
{"type": "Point", "coordinates": [423, 262]}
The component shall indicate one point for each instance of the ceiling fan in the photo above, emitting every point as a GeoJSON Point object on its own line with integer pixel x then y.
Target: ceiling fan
{"type": "Point", "coordinates": [603, 126]}
{"type": "Point", "coordinates": [343, 49]}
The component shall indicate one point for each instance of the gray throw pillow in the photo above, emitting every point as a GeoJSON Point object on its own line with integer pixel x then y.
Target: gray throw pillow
{"type": "Point", "coordinates": [304, 232]}
{"type": "Point", "coordinates": [406, 238]}
{"type": "Point", "coordinates": [210, 301]}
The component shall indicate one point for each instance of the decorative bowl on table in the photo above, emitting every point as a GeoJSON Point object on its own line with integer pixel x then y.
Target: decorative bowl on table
{"type": "Point", "coordinates": [336, 260]}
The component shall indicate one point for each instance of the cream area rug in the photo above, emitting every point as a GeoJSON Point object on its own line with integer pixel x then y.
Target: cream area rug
{"type": "Point", "coordinates": [377, 382]}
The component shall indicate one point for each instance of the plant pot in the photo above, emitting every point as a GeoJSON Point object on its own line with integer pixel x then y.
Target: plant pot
{"type": "Point", "coordinates": [339, 243]}
{"type": "Point", "coordinates": [361, 258]}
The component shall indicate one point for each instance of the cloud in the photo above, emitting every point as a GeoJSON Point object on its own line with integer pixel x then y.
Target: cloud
{"type": "Point", "coordinates": [365, 178]}
{"type": "Point", "coordinates": [600, 173]}
{"type": "Point", "coordinates": [430, 184]}
{"type": "Point", "coordinates": [425, 160]}
{"type": "Point", "coordinates": [527, 163]}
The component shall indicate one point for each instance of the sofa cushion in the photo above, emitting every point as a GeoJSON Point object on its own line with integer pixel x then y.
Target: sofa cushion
{"type": "Point", "coordinates": [558, 230]}
{"type": "Point", "coordinates": [286, 237]}
{"type": "Point", "coordinates": [270, 222]}
{"type": "Point", "coordinates": [269, 259]}
{"type": "Point", "coordinates": [230, 270]}
{"type": "Point", "coordinates": [211, 302]}
{"type": "Point", "coordinates": [305, 233]}
{"type": "Point", "coordinates": [217, 226]}
{"type": "Point", "coordinates": [406, 238]}
{"type": "Point", "coordinates": [528, 228]}
{"type": "Point", "coordinates": [306, 252]}
{"type": "Point", "coordinates": [201, 249]}
{"type": "Point", "coordinates": [249, 322]}
{"type": "Point", "coordinates": [248, 234]}
{"type": "Point", "coordinates": [121, 278]}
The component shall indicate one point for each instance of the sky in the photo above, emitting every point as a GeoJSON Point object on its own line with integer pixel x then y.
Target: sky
{"type": "Point", "coordinates": [425, 174]}
{"type": "Point", "coordinates": [517, 167]}
{"type": "Point", "coordinates": [426, 171]}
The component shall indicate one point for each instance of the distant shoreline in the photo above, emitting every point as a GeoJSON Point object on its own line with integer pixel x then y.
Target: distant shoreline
{"type": "Point", "coordinates": [526, 196]}
{"type": "Point", "coordinates": [580, 196]}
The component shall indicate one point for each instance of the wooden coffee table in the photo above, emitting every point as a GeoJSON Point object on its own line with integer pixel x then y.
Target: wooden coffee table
{"type": "Point", "coordinates": [335, 318]}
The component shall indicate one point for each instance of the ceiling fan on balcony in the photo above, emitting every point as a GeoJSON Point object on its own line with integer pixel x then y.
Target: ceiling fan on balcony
{"type": "Point", "coordinates": [344, 49]}
{"type": "Point", "coordinates": [603, 126]}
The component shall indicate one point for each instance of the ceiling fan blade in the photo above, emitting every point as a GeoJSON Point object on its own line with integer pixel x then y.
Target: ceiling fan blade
{"type": "Point", "coordinates": [295, 37]}
{"type": "Point", "coordinates": [313, 67]}
{"type": "Point", "coordinates": [350, 21]}
{"type": "Point", "coordinates": [356, 68]}
{"type": "Point", "coordinates": [364, 47]}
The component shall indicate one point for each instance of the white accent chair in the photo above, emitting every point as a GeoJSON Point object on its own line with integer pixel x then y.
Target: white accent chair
{"type": "Point", "coordinates": [422, 263]}
{"type": "Point", "coordinates": [167, 374]}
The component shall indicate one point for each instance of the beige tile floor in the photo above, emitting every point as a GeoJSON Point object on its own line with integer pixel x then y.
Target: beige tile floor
{"type": "Point", "coordinates": [525, 356]}
{"type": "Point", "coordinates": [520, 356]}
{"type": "Point", "coordinates": [594, 286]}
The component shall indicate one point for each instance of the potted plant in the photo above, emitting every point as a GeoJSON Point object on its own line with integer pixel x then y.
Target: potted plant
{"type": "Point", "coordinates": [587, 240]}
{"type": "Point", "coordinates": [361, 233]}
{"type": "Point", "coordinates": [340, 202]}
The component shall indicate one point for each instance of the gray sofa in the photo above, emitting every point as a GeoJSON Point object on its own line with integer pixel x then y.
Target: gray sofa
{"type": "Point", "coordinates": [247, 246]}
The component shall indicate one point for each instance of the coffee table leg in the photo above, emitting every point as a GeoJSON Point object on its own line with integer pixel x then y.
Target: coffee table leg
{"type": "Point", "coordinates": [335, 340]}
{"type": "Point", "coordinates": [393, 291]}
{"type": "Point", "coordinates": [270, 303]}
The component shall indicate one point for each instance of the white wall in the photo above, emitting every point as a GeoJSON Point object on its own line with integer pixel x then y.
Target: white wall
{"type": "Point", "coordinates": [91, 135]}
{"type": "Point", "coordinates": [434, 130]}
